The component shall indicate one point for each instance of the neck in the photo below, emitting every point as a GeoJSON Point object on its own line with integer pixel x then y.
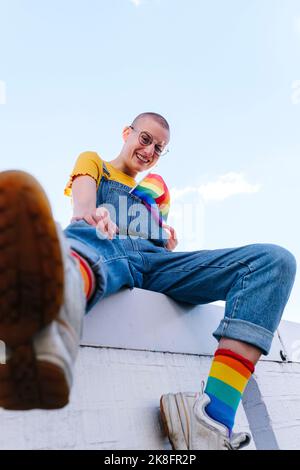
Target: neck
{"type": "Point", "coordinates": [121, 165]}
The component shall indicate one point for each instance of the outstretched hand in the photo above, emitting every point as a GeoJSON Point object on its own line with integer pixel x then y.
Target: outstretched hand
{"type": "Point", "coordinates": [172, 241]}
{"type": "Point", "coordinates": [90, 216]}
{"type": "Point", "coordinates": [106, 226]}
{"type": "Point", "coordinates": [99, 218]}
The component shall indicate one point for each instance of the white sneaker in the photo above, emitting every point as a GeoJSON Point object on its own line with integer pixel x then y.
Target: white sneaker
{"type": "Point", "coordinates": [42, 302]}
{"type": "Point", "coordinates": [190, 428]}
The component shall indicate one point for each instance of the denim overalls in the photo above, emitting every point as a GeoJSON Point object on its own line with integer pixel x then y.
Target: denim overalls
{"type": "Point", "coordinates": [254, 280]}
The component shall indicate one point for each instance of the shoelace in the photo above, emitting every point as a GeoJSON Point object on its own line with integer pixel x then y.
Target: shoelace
{"type": "Point", "coordinates": [230, 446]}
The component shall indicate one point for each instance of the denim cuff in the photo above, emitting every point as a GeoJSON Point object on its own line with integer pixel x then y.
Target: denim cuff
{"type": "Point", "coordinates": [97, 267]}
{"type": "Point", "coordinates": [246, 332]}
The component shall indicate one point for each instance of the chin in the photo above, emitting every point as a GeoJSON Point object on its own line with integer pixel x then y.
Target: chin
{"type": "Point", "coordinates": [139, 167]}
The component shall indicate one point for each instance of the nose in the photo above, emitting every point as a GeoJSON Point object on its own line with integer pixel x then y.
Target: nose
{"type": "Point", "coordinates": [149, 150]}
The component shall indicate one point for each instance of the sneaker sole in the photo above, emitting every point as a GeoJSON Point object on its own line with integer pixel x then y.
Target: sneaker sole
{"type": "Point", "coordinates": [31, 293]}
{"type": "Point", "coordinates": [171, 420]}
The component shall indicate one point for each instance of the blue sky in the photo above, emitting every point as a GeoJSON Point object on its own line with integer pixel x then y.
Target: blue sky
{"type": "Point", "coordinates": [226, 75]}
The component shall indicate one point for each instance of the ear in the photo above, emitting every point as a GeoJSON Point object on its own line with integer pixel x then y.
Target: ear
{"type": "Point", "coordinates": [125, 133]}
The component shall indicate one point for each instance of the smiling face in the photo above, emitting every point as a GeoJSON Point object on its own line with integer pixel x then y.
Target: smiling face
{"type": "Point", "coordinates": [136, 154]}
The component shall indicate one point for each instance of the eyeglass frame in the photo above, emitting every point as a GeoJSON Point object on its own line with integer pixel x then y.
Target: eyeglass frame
{"type": "Point", "coordinates": [163, 152]}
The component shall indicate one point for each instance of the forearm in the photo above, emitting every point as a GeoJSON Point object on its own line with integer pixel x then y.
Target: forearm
{"type": "Point", "coordinates": [84, 192]}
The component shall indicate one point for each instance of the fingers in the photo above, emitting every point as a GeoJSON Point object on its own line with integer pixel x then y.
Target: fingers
{"type": "Point", "coordinates": [101, 229]}
{"type": "Point", "coordinates": [171, 245]}
{"type": "Point", "coordinates": [173, 233]}
{"type": "Point", "coordinates": [174, 236]}
{"type": "Point", "coordinates": [90, 220]}
{"type": "Point", "coordinates": [167, 229]}
{"type": "Point", "coordinates": [75, 219]}
{"type": "Point", "coordinates": [102, 213]}
{"type": "Point", "coordinates": [99, 218]}
{"type": "Point", "coordinates": [111, 231]}
{"type": "Point", "coordinates": [172, 241]}
{"type": "Point", "coordinates": [105, 225]}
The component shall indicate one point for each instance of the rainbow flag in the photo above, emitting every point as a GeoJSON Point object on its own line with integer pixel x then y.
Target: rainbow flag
{"type": "Point", "coordinates": [154, 193]}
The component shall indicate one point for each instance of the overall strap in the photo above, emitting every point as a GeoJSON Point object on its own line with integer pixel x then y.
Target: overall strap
{"type": "Point", "coordinates": [105, 170]}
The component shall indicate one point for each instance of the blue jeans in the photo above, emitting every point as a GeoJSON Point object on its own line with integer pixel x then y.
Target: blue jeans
{"type": "Point", "coordinates": [255, 280]}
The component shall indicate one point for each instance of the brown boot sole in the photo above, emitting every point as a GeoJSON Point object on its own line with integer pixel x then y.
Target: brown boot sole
{"type": "Point", "coordinates": [26, 383]}
{"type": "Point", "coordinates": [31, 292]}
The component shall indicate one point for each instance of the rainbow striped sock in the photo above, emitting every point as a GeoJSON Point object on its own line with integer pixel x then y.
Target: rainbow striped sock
{"type": "Point", "coordinates": [227, 380]}
{"type": "Point", "coordinates": [87, 274]}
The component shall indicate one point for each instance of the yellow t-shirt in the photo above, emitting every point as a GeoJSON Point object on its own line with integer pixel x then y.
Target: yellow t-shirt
{"type": "Point", "coordinates": [91, 164]}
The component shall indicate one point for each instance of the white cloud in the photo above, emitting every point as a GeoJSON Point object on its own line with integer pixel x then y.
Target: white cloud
{"type": "Point", "coordinates": [136, 3]}
{"type": "Point", "coordinates": [227, 185]}
{"type": "Point", "coordinates": [188, 206]}
{"type": "Point", "coordinates": [179, 194]}
{"type": "Point", "coordinates": [230, 184]}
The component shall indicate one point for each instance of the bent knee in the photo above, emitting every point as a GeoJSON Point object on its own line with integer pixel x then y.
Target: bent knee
{"type": "Point", "coordinates": [281, 258]}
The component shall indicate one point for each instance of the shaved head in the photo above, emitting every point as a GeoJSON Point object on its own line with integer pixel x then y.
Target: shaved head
{"type": "Point", "coordinates": [156, 117]}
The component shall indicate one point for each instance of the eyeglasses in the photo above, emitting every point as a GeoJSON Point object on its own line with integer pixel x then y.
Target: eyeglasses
{"type": "Point", "coordinates": [145, 139]}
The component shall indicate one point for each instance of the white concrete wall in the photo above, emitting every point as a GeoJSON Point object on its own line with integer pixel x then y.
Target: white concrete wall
{"type": "Point", "coordinates": [145, 320]}
{"type": "Point", "coordinates": [114, 403]}
{"type": "Point", "coordinates": [279, 385]}
{"type": "Point", "coordinates": [118, 382]}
